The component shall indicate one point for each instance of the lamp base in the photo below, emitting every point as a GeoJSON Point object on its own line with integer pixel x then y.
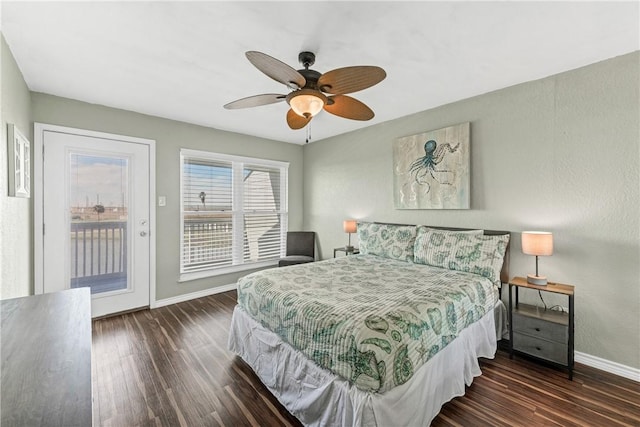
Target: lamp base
{"type": "Point", "coordinates": [536, 280]}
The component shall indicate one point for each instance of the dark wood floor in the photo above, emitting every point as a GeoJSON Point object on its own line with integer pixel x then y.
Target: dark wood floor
{"type": "Point", "coordinates": [170, 367]}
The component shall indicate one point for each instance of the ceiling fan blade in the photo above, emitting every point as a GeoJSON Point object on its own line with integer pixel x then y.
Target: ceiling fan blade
{"type": "Point", "coordinates": [348, 107]}
{"type": "Point", "coordinates": [350, 79]}
{"type": "Point", "coordinates": [277, 70]}
{"type": "Point", "coordinates": [295, 121]}
{"type": "Point", "coordinates": [256, 101]}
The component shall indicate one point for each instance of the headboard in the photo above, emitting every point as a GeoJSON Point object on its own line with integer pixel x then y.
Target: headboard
{"type": "Point", "coordinates": [504, 272]}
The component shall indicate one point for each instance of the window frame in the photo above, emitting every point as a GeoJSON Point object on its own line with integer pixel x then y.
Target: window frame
{"type": "Point", "coordinates": [237, 166]}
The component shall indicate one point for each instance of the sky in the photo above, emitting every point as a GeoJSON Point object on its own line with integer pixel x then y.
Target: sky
{"type": "Point", "coordinates": [98, 180]}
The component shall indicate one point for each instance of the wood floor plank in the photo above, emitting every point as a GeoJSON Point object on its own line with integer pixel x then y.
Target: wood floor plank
{"type": "Point", "coordinates": [170, 367]}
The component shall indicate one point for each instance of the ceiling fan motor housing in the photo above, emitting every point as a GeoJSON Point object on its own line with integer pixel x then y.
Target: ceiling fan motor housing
{"type": "Point", "coordinates": [311, 76]}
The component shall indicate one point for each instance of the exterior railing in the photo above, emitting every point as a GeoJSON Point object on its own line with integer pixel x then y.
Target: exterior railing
{"type": "Point", "coordinates": [98, 248]}
{"type": "Point", "coordinates": [207, 242]}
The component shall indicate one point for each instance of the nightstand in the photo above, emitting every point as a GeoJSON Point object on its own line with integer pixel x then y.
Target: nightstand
{"type": "Point", "coordinates": [543, 334]}
{"type": "Point", "coordinates": [346, 251]}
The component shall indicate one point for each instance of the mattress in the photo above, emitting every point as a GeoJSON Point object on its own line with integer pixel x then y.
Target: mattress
{"type": "Point", "coordinates": [369, 320]}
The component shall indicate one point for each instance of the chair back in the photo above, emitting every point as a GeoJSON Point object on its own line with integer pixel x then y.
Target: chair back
{"type": "Point", "coordinates": [301, 243]}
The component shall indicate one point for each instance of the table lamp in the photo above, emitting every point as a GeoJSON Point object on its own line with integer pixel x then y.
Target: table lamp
{"type": "Point", "coordinates": [350, 226]}
{"type": "Point", "coordinates": [538, 243]}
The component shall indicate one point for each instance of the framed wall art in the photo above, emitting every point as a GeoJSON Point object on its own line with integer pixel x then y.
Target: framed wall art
{"type": "Point", "coordinates": [431, 169]}
{"type": "Point", "coordinates": [19, 157]}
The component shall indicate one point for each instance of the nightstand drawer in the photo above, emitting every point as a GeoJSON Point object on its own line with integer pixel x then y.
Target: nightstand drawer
{"type": "Point", "coordinates": [540, 328]}
{"type": "Point", "coordinates": [553, 351]}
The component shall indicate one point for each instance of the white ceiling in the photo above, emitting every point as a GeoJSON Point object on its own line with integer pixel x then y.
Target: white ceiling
{"type": "Point", "coordinates": [185, 60]}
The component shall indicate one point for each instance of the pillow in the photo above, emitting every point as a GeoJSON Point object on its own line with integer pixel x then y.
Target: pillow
{"type": "Point", "coordinates": [387, 240]}
{"type": "Point", "coordinates": [424, 228]}
{"type": "Point", "coordinates": [423, 240]}
{"type": "Point", "coordinates": [462, 251]}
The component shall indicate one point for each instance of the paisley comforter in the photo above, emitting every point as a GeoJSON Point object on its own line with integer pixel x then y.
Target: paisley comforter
{"type": "Point", "coordinates": [371, 320]}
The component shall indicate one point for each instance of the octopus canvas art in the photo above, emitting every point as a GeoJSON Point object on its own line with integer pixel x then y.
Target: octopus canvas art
{"type": "Point", "coordinates": [431, 169]}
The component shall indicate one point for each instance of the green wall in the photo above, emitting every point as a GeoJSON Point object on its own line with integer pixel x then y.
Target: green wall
{"type": "Point", "coordinates": [559, 154]}
{"type": "Point", "coordinates": [16, 254]}
{"type": "Point", "coordinates": [170, 137]}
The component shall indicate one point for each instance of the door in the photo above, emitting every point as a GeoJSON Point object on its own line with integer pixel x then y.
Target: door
{"type": "Point", "coordinates": [96, 218]}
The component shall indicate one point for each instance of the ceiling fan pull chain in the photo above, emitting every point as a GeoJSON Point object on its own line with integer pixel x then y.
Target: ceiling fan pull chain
{"type": "Point", "coordinates": [308, 133]}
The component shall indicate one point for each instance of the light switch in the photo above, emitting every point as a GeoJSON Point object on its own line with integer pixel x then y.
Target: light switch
{"type": "Point", "coordinates": [162, 200]}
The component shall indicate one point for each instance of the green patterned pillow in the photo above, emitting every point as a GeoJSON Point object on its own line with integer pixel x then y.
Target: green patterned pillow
{"type": "Point", "coordinates": [462, 251]}
{"type": "Point", "coordinates": [387, 240]}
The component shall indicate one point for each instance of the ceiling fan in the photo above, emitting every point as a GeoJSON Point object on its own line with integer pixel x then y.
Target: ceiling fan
{"type": "Point", "coordinates": [309, 88]}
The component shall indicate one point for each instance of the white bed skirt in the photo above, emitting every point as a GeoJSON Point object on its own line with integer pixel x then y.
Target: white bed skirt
{"type": "Point", "coordinates": [318, 397]}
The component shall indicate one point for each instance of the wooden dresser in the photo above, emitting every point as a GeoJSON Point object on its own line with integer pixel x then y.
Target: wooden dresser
{"type": "Point", "coordinates": [46, 360]}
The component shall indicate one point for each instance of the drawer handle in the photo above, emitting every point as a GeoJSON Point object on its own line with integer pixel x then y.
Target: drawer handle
{"type": "Point", "coordinates": [538, 348]}
{"type": "Point", "coordinates": [537, 329]}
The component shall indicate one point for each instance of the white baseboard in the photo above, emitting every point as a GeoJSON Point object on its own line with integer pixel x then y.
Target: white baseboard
{"type": "Point", "coordinates": [608, 366]}
{"type": "Point", "coordinates": [194, 295]}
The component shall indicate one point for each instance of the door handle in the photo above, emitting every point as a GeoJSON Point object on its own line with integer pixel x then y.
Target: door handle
{"type": "Point", "coordinates": [143, 233]}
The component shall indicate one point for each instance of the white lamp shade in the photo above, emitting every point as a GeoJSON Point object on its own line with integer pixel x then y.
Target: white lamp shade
{"type": "Point", "coordinates": [306, 102]}
{"type": "Point", "coordinates": [539, 243]}
{"type": "Point", "coordinates": [350, 226]}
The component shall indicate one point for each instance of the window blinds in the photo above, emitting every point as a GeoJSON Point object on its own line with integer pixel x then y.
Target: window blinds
{"type": "Point", "coordinates": [261, 213]}
{"type": "Point", "coordinates": [233, 211]}
{"type": "Point", "coordinates": [207, 214]}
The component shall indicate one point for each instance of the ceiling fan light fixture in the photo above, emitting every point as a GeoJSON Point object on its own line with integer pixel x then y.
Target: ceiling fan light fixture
{"type": "Point", "coordinates": [306, 102]}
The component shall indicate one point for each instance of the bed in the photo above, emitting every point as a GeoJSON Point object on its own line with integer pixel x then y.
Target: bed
{"type": "Point", "coordinates": [385, 337]}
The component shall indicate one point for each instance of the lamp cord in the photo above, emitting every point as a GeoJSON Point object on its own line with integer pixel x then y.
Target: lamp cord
{"type": "Point", "coordinates": [549, 308]}
{"type": "Point", "coordinates": [541, 299]}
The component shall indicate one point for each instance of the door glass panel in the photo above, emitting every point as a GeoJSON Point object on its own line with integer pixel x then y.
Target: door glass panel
{"type": "Point", "coordinates": [99, 215]}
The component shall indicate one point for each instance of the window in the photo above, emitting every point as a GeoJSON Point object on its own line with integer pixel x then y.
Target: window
{"type": "Point", "coordinates": [233, 213]}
